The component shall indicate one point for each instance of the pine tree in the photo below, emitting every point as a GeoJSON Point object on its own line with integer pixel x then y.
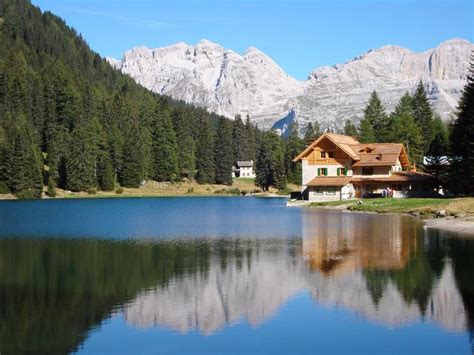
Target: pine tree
{"type": "Point", "coordinates": [376, 118]}
{"type": "Point", "coordinates": [294, 146]}
{"type": "Point", "coordinates": [164, 148]}
{"type": "Point", "coordinates": [205, 161]}
{"type": "Point", "coordinates": [24, 160]}
{"type": "Point", "coordinates": [223, 152]}
{"type": "Point", "coordinates": [437, 154]}
{"type": "Point", "coordinates": [366, 132]}
{"type": "Point", "coordinates": [312, 132]}
{"type": "Point", "coordinates": [4, 172]}
{"type": "Point", "coordinates": [350, 129]}
{"type": "Point", "coordinates": [186, 144]}
{"type": "Point", "coordinates": [250, 140]}
{"type": "Point", "coordinates": [238, 140]}
{"type": "Point", "coordinates": [402, 128]}
{"type": "Point", "coordinates": [133, 169]}
{"type": "Point", "coordinates": [81, 160]}
{"type": "Point", "coordinates": [423, 115]}
{"type": "Point", "coordinates": [462, 141]}
{"type": "Point", "coordinates": [270, 167]}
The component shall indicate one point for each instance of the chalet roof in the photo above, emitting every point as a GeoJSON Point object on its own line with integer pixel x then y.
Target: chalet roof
{"type": "Point", "coordinates": [343, 142]}
{"type": "Point", "coordinates": [368, 154]}
{"type": "Point", "coordinates": [245, 164]}
{"type": "Point", "coordinates": [329, 181]}
{"type": "Point", "coordinates": [377, 154]}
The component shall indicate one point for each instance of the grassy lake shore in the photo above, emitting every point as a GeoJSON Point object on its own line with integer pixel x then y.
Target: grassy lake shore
{"type": "Point", "coordinates": [239, 187]}
{"type": "Point", "coordinates": [453, 214]}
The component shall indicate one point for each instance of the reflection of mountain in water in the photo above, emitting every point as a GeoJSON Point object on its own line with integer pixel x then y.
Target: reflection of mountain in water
{"type": "Point", "coordinates": [253, 287]}
{"type": "Point", "coordinates": [377, 267]}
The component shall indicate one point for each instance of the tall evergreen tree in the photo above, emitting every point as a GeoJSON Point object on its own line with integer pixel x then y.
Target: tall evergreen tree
{"type": "Point", "coordinates": [402, 128]}
{"type": "Point", "coordinates": [250, 140]}
{"type": "Point", "coordinates": [239, 148]}
{"type": "Point", "coordinates": [205, 161]}
{"type": "Point", "coordinates": [223, 152]}
{"type": "Point", "coordinates": [81, 159]}
{"type": "Point", "coordinates": [462, 141]}
{"type": "Point", "coordinates": [374, 117]}
{"type": "Point", "coordinates": [24, 160]}
{"type": "Point", "coordinates": [312, 132]}
{"type": "Point", "coordinates": [4, 172]}
{"type": "Point", "coordinates": [164, 151]}
{"type": "Point", "coordinates": [350, 129]}
{"type": "Point", "coordinates": [133, 169]}
{"type": "Point", "coordinates": [366, 132]}
{"type": "Point", "coordinates": [270, 167]}
{"type": "Point", "coordinates": [423, 115]}
{"type": "Point", "coordinates": [438, 152]}
{"type": "Point", "coordinates": [294, 146]}
{"type": "Point", "coordinates": [186, 144]}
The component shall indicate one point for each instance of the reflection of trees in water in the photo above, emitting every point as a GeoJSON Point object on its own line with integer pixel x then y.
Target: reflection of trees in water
{"type": "Point", "coordinates": [463, 263]}
{"type": "Point", "coordinates": [53, 292]}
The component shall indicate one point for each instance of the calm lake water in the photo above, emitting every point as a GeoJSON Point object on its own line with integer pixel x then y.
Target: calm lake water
{"type": "Point", "coordinates": [228, 276]}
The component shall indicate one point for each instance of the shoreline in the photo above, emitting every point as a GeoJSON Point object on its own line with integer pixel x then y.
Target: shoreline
{"type": "Point", "coordinates": [452, 215]}
{"type": "Point", "coordinates": [463, 226]}
{"type": "Point", "coordinates": [240, 187]}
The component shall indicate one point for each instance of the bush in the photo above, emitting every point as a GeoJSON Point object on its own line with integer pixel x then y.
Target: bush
{"type": "Point", "coordinates": [28, 194]}
{"type": "Point", "coordinates": [4, 188]}
{"type": "Point", "coordinates": [234, 191]}
{"type": "Point", "coordinates": [51, 188]}
{"type": "Point", "coordinates": [92, 191]}
{"type": "Point", "coordinates": [190, 190]}
{"type": "Point", "coordinates": [119, 191]}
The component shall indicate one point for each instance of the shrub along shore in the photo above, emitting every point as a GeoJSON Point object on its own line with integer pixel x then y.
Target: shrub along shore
{"type": "Point", "coordinates": [453, 214]}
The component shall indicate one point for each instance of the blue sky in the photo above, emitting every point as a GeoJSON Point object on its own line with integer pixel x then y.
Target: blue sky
{"type": "Point", "coordinates": [299, 35]}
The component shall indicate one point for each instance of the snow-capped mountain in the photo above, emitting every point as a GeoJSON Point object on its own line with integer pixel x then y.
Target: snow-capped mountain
{"type": "Point", "coordinates": [229, 83]}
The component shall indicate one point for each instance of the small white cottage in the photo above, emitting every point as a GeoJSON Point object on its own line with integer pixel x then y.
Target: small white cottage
{"type": "Point", "coordinates": [243, 169]}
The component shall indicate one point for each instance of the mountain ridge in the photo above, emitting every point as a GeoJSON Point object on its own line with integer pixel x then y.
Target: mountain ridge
{"type": "Point", "coordinates": [229, 83]}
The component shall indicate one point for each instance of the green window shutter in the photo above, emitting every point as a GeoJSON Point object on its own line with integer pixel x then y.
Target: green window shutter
{"type": "Point", "coordinates": [345, 171]}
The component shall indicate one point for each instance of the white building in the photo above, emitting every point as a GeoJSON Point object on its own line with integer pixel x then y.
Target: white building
{"type": "Point", "coordinates": [337, 167]}
{"type": "Point", "coordinates": [243, 169]}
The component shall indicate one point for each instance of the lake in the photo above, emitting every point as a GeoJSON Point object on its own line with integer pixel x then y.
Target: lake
{"type": "Point", "coordinates": [224, 275]}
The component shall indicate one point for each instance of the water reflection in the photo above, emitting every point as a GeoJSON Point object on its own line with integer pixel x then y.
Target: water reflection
{"type": "Point", "coordinates": [386, 268]}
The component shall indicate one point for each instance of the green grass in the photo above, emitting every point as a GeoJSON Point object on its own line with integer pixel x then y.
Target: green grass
{"type": "Point", "coordinates": [332, 203]}
{"type": "Point", "coordinates": [401, 205]}
{"type": "Point", "coordinates": [246, 180]}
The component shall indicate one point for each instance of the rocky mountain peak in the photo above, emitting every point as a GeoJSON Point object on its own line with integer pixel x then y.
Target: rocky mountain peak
{"type": "Point", "coordinates": [229, 83]}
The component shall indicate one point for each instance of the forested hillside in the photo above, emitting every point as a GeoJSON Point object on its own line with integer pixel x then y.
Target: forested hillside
{"type": "Point", "coordinates": [69, 120]}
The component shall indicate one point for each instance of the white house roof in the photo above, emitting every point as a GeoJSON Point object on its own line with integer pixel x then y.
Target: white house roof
{"type": "Point", "coordinates": [245, 164]}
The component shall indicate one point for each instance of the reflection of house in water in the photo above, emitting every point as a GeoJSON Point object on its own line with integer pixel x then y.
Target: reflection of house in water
{"type": "Point", "coordinates": [334, 241]}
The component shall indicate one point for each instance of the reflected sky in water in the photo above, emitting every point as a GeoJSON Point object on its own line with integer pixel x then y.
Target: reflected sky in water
{"type": "Point", "coordinates": [228, 275]}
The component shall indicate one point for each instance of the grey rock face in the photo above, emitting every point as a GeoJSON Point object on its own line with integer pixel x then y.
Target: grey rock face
{"type": "Point", "coordinates": [228, 83]}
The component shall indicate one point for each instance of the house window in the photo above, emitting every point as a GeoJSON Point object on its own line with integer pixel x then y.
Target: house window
{"type": "Point", "coordinates": [331, 190]}
{"type": "Point", "coordinates": [367, 170]}
{"type": "Point", "coordinates": [322, 171]}
{"type": "Point", "coordinates": [342, 171]}
{"type": "Point", "coordinates": [331, 154]}
{"type": "Point", "coordinates": [323, 155]}
{"type": "Point", "coordinates": [318, 191]}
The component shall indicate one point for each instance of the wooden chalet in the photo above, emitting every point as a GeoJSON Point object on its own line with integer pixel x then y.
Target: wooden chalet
{"type": "Point", "coordinates": [338, 167]}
